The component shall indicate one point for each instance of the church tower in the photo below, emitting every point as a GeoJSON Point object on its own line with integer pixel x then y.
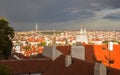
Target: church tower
{"type": "Point", "coordinates": [82, 36]}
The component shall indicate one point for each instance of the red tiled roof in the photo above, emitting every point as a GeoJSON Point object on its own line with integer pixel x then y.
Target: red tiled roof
{"type": "Point", "coordinates": [97, 52]}
{"type": "Point", "coordinates": [78, 67]}
{"type": "Point", "coordinates": [57, 67]}
{"type": "Point", "coordinates": [89, 53]}
{"type": "Point", "coordinates": [101, 52]}
{"type": "Point", "coordinates": [66, 50]}
{"type": "Point", "coordinates": [27, 66]}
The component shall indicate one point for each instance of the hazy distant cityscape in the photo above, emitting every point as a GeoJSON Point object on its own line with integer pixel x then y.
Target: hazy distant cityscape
{"type": "Point", "coordinates": [36, 40]}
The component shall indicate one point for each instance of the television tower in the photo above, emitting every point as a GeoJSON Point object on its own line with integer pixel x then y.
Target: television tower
{"type": "Point", "coordinates": [36, 27]}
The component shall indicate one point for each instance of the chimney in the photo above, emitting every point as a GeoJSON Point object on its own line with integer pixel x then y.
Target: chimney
{"type": "Point", "coordinates": [78, 52]}
{"type": "Point", "coordinates": [110, 46]}
{"type": "Point", "coordinates": [100, 69]}
{"type": "Point", "coordinates": [51, 52]}
{"type": "Point", "coordinates": [68, 60]}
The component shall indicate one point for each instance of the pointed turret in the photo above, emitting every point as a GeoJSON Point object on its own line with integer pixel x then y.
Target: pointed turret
{"type": "Point", "coordinates": [81, 31]}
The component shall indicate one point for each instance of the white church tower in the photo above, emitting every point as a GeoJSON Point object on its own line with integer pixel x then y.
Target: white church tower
{"type": "Point", "coordinates": [82, 36]}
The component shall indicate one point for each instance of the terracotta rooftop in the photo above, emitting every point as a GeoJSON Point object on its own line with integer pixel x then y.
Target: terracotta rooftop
{"type": "Point", "coordinates": [93, 53]}
{"type": "Point", "coordinates": [78, 67]}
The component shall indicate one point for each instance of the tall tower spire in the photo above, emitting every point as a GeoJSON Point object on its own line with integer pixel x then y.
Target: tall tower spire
{"type": "Point", "coordinates": [81, 30]}
{"type": "Point", "coordinates": [36, 27]}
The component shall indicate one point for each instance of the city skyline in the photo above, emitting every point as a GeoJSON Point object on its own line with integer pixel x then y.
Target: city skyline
{"type": "Point", "coordinates": [62, 14]}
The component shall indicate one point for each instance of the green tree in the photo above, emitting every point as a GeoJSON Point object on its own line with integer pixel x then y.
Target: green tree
{"type": "Point", "coordinates": [42, 43]}
{"type": "Point", "coordinates": [6, 36]}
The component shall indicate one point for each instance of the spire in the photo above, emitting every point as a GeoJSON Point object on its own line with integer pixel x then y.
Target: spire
{"type": "Point", "coordinates": [85, 31]}
{"type": "Point", "coordinates": [36, 27]}
{"type": "Point", "coordinates": [81, 30]}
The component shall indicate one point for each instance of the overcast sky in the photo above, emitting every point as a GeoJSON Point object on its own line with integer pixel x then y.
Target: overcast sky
{"type": "Point", "coordinates": [62, 14]}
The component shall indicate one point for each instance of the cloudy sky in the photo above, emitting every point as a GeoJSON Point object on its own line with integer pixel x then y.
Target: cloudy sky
{"type": "Point", "coordinates": [62, 14]}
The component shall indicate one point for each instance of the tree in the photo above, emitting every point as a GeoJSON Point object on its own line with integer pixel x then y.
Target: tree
{"type": "Point", "coordinates": [6, 36]}
{"type": "Point", "coordinates": [42, 43]}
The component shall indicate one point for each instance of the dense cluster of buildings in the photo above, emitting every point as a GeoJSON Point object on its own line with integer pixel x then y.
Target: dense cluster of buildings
{"type": "Point", "coordinates": [33, 42]}
{"type": "Point", "coordinates": [66, 52]}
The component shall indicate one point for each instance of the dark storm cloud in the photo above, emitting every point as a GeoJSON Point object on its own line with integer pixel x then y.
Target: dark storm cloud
{"type": "Point", "coordinates": [113, 16]}
{"type": "Point", "coordinates": [45, 10]}
{"type": "Point", "coordinates": [110, 3]}
{"type": "Point", "coordinates": [21, 10]}
{"type": "Point", "coordinates": [109, 8]}
{"type": "Point", "coordinates": [49, 13]}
